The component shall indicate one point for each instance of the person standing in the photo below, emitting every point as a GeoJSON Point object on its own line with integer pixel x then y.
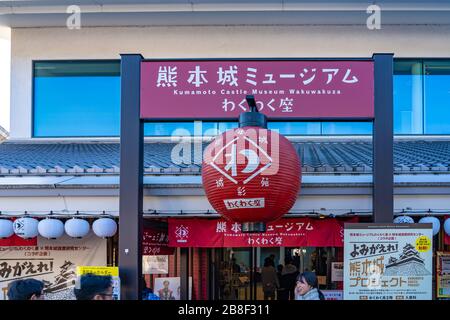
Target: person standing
{"type": "Point", "coordinates": [269, 280]}
{"type": "Point", "coordinates": [282, 292]}
{"type": "Point", "coordinates": [288, 278]}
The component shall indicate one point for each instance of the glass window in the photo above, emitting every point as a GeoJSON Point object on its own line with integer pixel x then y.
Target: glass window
{"type": "Point", "coordinates": [76, 98]}
{"type": "Point", "coordinates": [224, 126]}
{"type": "Point", "coordinates": [341, 128]}
{"type": "Point", "coordinates": [294, 128]}
{"type": "Point", "coordinates": [196, 128]}
{"type": "Point", "coordinates": [82, 99]}
{"type": "Point", "coordinates": [437, 96]}
{"type": "Point", "coordinates": [408, 97]}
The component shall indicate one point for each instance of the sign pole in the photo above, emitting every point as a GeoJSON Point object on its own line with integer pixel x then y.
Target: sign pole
{"type": "Point", "coordinates": [383, 140]}
{"type": "Point", "coordinates": [131, 178]}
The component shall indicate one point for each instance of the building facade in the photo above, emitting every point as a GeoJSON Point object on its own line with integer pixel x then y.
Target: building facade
{"type": "Point", "coordinates": [62, 155]}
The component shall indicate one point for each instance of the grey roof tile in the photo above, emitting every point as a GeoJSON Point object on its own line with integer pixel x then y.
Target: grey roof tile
{"type": "Point", "coordinates": [30, 158]}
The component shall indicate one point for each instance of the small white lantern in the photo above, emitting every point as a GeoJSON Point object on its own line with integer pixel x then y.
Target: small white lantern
{"type": "Point", "coordinates": [6, 228]}
{"type": "Point", "coordinates": [51, 228]}
{"type": "Point", "coordinates": [435, 221]}
{"type": "Point", "coordinates": [403, 219]}
{"type": "Point", "coordinates": [104, 227]}
{"type": "Point", "coordinates": [447, 226]}
{"type": "Point", "coordinates": [76, 228]}
{"type": "Point", "coordinates": [26, 228]}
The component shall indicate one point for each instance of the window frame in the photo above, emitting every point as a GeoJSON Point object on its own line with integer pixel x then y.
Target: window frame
{"type": "Point", "coordinates": [321, 134]}
{"type": "Point", "coordinates": [33, 92]}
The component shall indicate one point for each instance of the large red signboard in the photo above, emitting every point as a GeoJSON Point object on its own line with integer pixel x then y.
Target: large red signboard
{"type": "Point", "coordinates": [285, 232]}
{"type": "Point", "coordinates": [282, 88]}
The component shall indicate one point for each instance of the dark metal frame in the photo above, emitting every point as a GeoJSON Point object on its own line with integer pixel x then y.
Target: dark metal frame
{"type": "Point", "coordinates": [131, 162]}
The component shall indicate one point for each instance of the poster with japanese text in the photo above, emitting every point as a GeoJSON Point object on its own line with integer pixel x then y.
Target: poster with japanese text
{"type": "Point", "coordinates": [443, 274]}
{"type": "Point", "coordinates": [388, 261]}
{"type": "Point", "coordinates": [52, 261]}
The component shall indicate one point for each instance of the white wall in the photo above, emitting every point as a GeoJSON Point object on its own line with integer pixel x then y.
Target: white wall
{"type": "Point", "coordinates": [110, 204]}
{"type": "Point", "coordinates": [5, 60]}
{"type": "Point", "coordinates": [197, 42]}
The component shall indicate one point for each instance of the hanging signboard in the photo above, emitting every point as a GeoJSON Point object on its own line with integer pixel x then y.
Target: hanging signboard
{"type": "Point", "coordinates": [155, 241]}
{"type": "Point", "coordinates": [285, 232]}
{"type": "Point", "coordinates": [388, 261]}
{"type": "Point", "coordinates": [113, 272]}
{"type": "Point", "coordinates": [52, 261]}
{"type": "Point", "coordinates": [216, 89]}
{"type": "Point", "coordinates": [443, 274]}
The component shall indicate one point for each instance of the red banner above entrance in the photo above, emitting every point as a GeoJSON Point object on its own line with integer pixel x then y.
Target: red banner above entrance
{"type": "Point", "coordinates": [291, 232]}
{"type": "Point", "coordinates": [216, 89]}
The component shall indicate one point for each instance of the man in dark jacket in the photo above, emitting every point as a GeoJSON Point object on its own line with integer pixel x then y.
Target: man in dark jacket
{"type": "Point", "coordinates": [288, 279]}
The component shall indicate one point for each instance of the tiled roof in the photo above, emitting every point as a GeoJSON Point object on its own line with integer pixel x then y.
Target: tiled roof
{"type": "Point", "coordinates": [316, 157]}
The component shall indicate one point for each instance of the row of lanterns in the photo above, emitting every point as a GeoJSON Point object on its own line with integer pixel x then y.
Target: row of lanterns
{"type": "Point", "coordinates": [50, 228]}
{"type": "Point", "coordinates": [430, 219]}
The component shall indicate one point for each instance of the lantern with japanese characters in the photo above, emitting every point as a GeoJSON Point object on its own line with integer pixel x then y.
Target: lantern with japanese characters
{"type": "Point", "coordinates": [251, 174]}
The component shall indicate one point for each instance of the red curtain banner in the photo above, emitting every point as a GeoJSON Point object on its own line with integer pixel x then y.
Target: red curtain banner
{"type": "Point", "coordinates": [16, 241]}
{"type": "Point", "coordinates": [285, 232]}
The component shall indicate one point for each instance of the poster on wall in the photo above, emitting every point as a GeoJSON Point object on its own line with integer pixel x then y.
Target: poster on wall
{"type": "Point", "coordinates": [388, 261]}
{"type": "Point", "coordinates": [155, 240]}
{"type": "Point", "coordinates": [168, 288]}
{"type": "Point", "coordinates": [52, 261]}
{"type": "Point", "coordinates": [333, 294]}
{"type": "Point", "coordinates": [113, 272]}
{"type": "Point", "coordinates": [443, 274]}
{"type": "Point", "coordinates": [155, 264]}
{"type": "Point", "coordinates": [337, 271]}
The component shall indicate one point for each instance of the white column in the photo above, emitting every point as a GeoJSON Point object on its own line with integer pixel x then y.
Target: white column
{"type": "Point", "coordinates": [281, 261]}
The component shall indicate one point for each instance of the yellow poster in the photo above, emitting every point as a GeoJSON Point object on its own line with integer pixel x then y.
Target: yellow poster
{"type": "Point", "coordinates": [443, 274]}
{"type": "Point", "coordinates": [98, 270]}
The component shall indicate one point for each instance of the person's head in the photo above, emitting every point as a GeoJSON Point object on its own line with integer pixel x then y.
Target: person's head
{"type": "Point", "coordinates": [92, 287]}
{"type": "Point", "coordinates": [267, 262]}
{"type": "Point", "coordinates": [280, 268]}
{"type": "Point", "coordinates": [287, 260]}
{"type": "Point", "coordinates": [272, 256]}
{"type": "Point", "coordinates": [307, 281]}
{"type": "Point", "coordinates": [166, 283]}
{"type": "Point", "coordinates": [26, 289]}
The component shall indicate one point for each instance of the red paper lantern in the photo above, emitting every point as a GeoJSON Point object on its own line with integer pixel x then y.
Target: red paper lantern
{"type": "Point", "coordinates": [251, 175]}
